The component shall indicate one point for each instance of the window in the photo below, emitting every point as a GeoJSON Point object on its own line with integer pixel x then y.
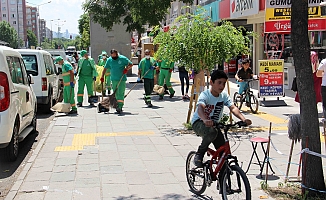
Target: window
{"type": "Point", "coordinates": [14, 22]}
{"type": "Point", "coordinates": [20, 66]}
{"type": "Point", "coordinates": [4, 15]}
{"type": "Point", "coordinates": [4, 8]}
{"type": "Point", "coordinates": [12, 15]}
{"type": "Point", "coordinates": [49, 68]}
{"type": "Point", "coordinates": [15, 70]}
{"type": "Point", "coordinates": [12, 9]}
{"type": "Point", "coordinates": [33, 15]}
{"type": "Point", "coordinates": [12, 2]}
{"type": "Point", "coordinates": [31, 63]}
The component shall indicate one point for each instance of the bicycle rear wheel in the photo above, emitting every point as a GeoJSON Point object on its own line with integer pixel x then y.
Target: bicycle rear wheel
{"type": "Point", "coordinates": [235, 184]}
{"type": "Point", "coordinates": [237, 100]}
{"type": "Point", "coordinates": [195, 176]}
{"type": "Point", "coordinates": [253, 103]}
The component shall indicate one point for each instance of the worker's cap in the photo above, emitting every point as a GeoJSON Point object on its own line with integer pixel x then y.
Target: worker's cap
{"type": "Point", "coordinates": [83, 52]}
{"type": "Point", "coordinates": [57, 59]}
{"type": "Point", "coordinates": [104, 53]}
{"type": "Point", "coordinates": [147, 51]}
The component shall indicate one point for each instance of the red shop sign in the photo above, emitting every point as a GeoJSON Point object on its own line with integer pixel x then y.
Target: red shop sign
{"type": "Point", "coordinates": [284, 26]}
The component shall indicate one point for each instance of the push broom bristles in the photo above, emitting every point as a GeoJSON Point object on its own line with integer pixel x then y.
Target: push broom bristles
{"type": "Point", "coordinates": [110, 102]}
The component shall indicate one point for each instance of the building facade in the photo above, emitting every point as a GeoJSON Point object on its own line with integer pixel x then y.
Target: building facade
{"type": "Point", "coordinates": [42, 30]}
{"type": "Point", "coordinates": [31, 19]}
{"type": "Point", "coordinates": [14, 12]}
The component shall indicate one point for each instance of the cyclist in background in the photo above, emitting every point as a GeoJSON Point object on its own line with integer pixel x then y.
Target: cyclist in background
{"type": "Point", "coordinates": [244, 73]}
{"type": "Point", "coordinates": [209, 110]}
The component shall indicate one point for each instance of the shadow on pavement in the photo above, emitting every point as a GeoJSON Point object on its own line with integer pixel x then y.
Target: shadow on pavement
{"type": "Point", "coordinates": [167, 196]}
{"type": "Point", "coordinates": [7, 168]}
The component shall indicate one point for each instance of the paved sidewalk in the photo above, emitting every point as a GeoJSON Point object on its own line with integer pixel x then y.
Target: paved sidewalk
{"type": "Point", "coordinates": [139, 154]}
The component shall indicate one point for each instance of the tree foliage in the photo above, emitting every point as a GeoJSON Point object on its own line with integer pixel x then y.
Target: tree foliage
{"type": "Point", "coordinates": [133, 13]}
{"type": "Point", "coordinates": [312, 170]}
{"type": "Point", "coordinates": [197, 43]}
{"type": "Point", "coordinates": [32, 40]}
{"type": "Point", "coordinates": [8, 34]}
{"type": "Point", "coordinates": [84, 30]}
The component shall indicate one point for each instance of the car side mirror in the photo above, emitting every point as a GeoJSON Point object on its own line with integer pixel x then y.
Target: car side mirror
{"type": "Point", "coordinates": [30, 79]}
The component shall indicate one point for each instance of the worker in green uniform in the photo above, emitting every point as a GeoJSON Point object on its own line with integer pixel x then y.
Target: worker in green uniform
{"type": "Point", "coordinates": [118, 66]}
{"type": "Point", "coordinates": [166, 68]}
{"type": "Point", "coordinates": [107, 79]}
{"type": "Point", "coordinates": [69, 83]}
{"type": "Point", "coordinates": [87, 75]}
{"type": "Point", "coordinates": [146, 71]}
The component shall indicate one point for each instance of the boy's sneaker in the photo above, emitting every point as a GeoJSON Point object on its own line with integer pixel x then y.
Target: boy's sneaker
{"type": "Point", "coordinates": [198, 160]}
{"type": "Point", "coordinates": [172, 95]}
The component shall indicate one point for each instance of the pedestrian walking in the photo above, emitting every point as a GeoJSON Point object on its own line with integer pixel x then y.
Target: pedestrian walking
{"type": "Point", "coordinates": [86, 76]}
{"type": "Point", "coordinates": [146, 71]}
{"type": "Point", "coordinates": [184, 77]}
{"type": "Point", "coordinates": [166, 68]}
{"type": "Point", "coordinates": [69, 83]}
{"type": "Point", "coordinates": [118, 66]}
{"type": "Point", "coordinates": [107, 77]}
{"type": "Point", "coordinates": [317, 80]}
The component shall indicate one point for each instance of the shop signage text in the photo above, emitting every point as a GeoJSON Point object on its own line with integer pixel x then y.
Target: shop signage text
{"type": "Point", "coordinates": [284, 26]}
{"type": "Point", "coordinates": [271, 77]}
{"type": "Point", "coordinates": [287, 3]}
{"type": "Point", "coordinates": [241, 8]}
{"type": "Point", "coordinates": [285, 13]}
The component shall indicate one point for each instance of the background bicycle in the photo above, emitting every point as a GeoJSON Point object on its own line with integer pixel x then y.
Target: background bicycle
{"type": "Point", "coordinates": [248, 97]}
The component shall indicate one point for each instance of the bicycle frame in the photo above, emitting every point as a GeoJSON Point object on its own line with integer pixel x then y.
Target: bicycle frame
{"type": "Point", "coordinates": [222, 154]}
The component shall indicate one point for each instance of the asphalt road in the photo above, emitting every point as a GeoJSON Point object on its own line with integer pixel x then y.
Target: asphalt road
{"type": "Point", "coordinates": [9, 171]}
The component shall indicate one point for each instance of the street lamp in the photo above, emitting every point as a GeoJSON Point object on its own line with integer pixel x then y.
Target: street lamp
{"type": "Point", "coordinates": [59, 26]}
{"type": "Point", "coordinates": [51, 29]}
{"type": "Point", "coordinates": [38, 20]}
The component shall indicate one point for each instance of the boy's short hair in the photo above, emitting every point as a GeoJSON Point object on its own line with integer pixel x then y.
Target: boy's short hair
{"type": "Point", "coordinates": [113, 51]}
{"type": "Point", "coordinates": [246, 60]}
{"type": "Point", "coordinates": [217, 74]}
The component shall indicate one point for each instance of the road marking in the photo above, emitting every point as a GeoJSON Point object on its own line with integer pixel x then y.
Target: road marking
{"type": "Point", "coordinates": [266, 116]}
{"type": "Point", "coordinates": [81, 140]}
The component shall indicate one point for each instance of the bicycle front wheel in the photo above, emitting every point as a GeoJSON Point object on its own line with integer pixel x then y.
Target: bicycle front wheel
{"type": "Point", "coordinates": [253, 103]}
{"type": "Point", "coordinates": [237, 100]}
{"type": "Point", "coordinates": [195, 176]}
{"type": "Point", "coordinates": [235, 184]}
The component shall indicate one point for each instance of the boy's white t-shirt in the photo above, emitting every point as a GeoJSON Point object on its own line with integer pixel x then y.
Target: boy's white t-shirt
{"type": "Point", "coordinates": [322, 66]}
{"type": "Point", "coordinates": [213, 105]}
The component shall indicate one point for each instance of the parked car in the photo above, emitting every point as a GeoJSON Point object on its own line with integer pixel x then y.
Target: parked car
{"type": "Point", "coordinates": [17, 103]}
{"type": "Point", "coordinates": [47, 87]}
{"type": "Point", "coordinates": [55, 53]}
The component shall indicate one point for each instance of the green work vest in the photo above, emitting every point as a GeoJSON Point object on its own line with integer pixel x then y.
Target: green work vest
{"type": "Point", "coordinates": [145, 65]}
{"type": "Point", "coordinates": [90, 69]}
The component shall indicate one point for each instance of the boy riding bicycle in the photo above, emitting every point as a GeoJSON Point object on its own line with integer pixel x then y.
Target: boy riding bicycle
{"type": "Point", "coordinates": [244, 73]}
{"type": "Point", "coordinates": [209, 110]}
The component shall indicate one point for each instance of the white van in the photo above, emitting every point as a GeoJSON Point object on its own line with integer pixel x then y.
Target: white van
{"type": "Point", "coordinates": [17, 103]}
{"type": "Point", "coordinates": [47, 87]}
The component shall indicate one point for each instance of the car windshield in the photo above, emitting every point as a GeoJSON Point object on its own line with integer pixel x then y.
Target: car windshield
{"type": "Point", "coordinates": [30, 63]}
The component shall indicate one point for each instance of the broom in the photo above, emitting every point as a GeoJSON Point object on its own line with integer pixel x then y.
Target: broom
{"type": "Point", "coordinates": [62, 107]}
{"type": "Point", "coordinates": [111, 101]}
{"type": "Point", "coordinates": [137, 83]}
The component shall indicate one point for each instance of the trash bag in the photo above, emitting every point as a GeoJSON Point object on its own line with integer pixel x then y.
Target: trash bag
{"type": "Point", "coordinates": [98, 85]}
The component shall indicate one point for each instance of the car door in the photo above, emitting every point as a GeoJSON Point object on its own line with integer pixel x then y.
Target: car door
{"type": "Point", "coordinates": [52, 77]}
{"type": "Point", "coordinates": [18, 81]}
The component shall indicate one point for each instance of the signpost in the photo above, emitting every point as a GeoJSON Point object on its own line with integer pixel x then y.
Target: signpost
{"type": "Point", "coordinates": [271, 81]}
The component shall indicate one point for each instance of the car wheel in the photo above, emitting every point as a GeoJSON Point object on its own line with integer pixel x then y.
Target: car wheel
{"type": "Point", "coordinates": [10, 153]}
{"type": "Point", "coordinates": [49, 105]}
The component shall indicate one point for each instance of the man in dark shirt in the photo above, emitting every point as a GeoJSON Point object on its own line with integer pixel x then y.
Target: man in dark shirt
{"type": "Point", "coordinates": [244, 73]}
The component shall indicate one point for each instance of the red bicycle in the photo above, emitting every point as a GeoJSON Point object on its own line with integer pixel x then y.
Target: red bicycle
{"type": "Point", "coordinates": [234, 183]}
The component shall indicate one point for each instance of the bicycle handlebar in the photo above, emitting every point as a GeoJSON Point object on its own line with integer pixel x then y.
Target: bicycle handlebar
{"type": "Point", "coordinates": [238, 124]}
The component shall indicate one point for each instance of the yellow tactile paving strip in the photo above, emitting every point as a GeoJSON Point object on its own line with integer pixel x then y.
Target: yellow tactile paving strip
{"type": "Point", "coordinates": [266, 116]}
{"type": "Point", "coordinates": [81, 140]}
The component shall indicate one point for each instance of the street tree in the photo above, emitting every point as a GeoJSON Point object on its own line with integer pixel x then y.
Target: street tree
{"type": "Point", "coordinates": [133, 14]}
{"type": "Point", "coordinates": [32, 40]}
{"type": "Point", "coordinates": [196, 43]}
{"type": "Point", "coordinates": [8, 34]}
{"type": "Point", "coordinates": [84, 30]}
{"type": "Point", "coordinates": [313, 175]}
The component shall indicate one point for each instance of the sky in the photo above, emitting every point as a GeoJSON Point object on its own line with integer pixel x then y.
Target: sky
{"type": "Point", "coordinates": [65, 10]}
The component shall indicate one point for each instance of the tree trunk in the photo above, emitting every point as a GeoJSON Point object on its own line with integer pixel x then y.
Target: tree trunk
{"type": "Point", "coordinates": [308, 108]}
